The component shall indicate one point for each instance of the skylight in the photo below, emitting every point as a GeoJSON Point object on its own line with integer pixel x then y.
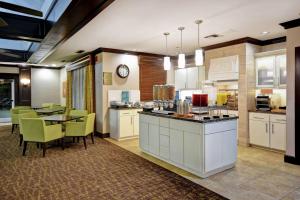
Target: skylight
{"type": "Point", "coordinates": [14, 44]}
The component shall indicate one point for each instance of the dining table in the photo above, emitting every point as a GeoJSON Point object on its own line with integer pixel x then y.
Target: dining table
{"type": "Point", "coordinates": [48, 111]}
{"type": "Point", "coordinates": [60, 118]}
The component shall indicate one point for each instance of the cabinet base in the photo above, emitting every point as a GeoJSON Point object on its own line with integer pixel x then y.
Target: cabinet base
{"type": "Point", "coordinates": [197, 173]}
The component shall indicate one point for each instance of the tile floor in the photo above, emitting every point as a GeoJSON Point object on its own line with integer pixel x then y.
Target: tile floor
{"type": "Point", "coordinates": [258, 175]}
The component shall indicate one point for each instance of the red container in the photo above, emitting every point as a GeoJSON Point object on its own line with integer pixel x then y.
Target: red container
{"type": "Point", "coordinates": [200, 100]}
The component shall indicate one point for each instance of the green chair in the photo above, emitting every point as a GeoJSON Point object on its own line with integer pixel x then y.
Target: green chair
{"type": "Point", "coordinates": [14, 114]}
{"type": "Point", "coordinates": [35, 130]}
{"type": "Point", "coordinates": [82, 129]}
{"type": "Point", "coordinates": [30, 114]}
{"type": "Point", "coordinates": [78, 112]}
{"type": "Point", "coordinates": [47, 105]}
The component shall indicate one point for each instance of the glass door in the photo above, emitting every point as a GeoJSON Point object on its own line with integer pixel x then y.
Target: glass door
{"type": "Point", "coordinates": [281, 70]}
{"type": "Point", "coordinates": [6, 99]}
{"type": "Point", "coordinates": [265, 71]}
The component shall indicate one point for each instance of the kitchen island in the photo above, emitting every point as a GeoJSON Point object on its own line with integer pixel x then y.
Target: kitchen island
{"type": "Point", "coordinates": [201, 146]}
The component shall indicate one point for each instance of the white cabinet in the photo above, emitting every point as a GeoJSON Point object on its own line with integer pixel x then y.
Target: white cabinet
{"type": "Point", "coordinates": [268, 130]}
{"type": "Point", "coordinates": [144, 138]}
{"type": "Point", "coordinates": [180, 79]}
{"type": "Point", "coordinates": [124, 123]}
{"type": "Point", "coordinates": [176, 146]}
{"type": "Point", "coordinates": [259, 133]}
{"type": "Point", "coordinates": [192, 151]}
{"type": "Point", "coordinates": [213, 152]}
{"type": "Point", "coordinates": [188, 78]}
{"type": "Point", "coordinates": [271, 71]}
{"type": "Point", "coordinates": [154, 139]}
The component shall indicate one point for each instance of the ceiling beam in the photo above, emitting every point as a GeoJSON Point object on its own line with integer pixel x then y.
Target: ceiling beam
{"type": "Point", "coordinates": [76, 16]}
{"type": "Point", "coordinates": [23, 28]}
{"type": "Point", "coordinates": [8, 55]}
{"type": "Point", "coordinates": [291, 24]}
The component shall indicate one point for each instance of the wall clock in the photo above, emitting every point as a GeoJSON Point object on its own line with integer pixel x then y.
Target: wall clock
{"type": "Point", "coordinates": [123, 71]}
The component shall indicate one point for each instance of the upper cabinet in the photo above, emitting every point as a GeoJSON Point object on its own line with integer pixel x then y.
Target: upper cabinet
{"type": "Point", "coordinates": [189, 78]}
{"type": "Point", "coordinates": [271, 71]}
{"type": "Point", "coordinates": [223, 69]}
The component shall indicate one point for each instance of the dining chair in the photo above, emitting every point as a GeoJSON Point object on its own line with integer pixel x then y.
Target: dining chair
{"type": "Point", "coordinates": [82, 129]}
{"type": "Point", "coordinates": [47, 105]}
{"type": "Point", "coordinates": [78, 112]}
{"type": "Point", "coordinates": [29, 114]}
{"type": "Point", "coordinates": [35, 130]}
{"type": "Point", "coordinates": [14, 114]}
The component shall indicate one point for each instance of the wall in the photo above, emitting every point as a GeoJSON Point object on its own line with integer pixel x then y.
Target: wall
{"type": "Point", "coordinates": [108, 62]}
{"type": "Point", "coordinates": [293, 40]}
{"type": "Point", "coordinates": [11, 70]}
{"type": "Point", "coordinates": [246, 81]}
{"type": "Point", "coordinates": [45, 86]}
{"type": "Point", "coordinates": [62, 78]}
{"type": "Point", "coordinates": [273, 47]}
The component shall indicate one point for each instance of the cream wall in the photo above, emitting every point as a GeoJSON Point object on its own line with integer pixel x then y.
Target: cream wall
{"type": "Point", "coordinates": [273, 47]}
{"type": "Point", "coordinates": [45, 86]}
{"type": "Point", "coordinates": [246, 81]}
{"type": "Point", "coordinates": [293, 40]}
{"type": "Point", "coordinates": [11, 70]}
{"type": "Point", "coordinates": [108, 62]}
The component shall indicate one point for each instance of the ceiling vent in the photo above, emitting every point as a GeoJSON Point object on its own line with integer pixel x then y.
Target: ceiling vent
{"type": "Point", "coordinates": [213, 36]}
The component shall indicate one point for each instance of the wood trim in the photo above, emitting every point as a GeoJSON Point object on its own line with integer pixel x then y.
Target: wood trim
{"type": "Point", "coordinates": [120, 51]}
{"type": "Point", "coordinates": [246, 40]}
{"type": "Point", "coordinates": [32, 66]}
{"type": "Point", "coordinates": [102, 135]}
{"type": "Point", "coordinates": [291, 24]}
{"type": "Point", "coordinates": [297, 105]}
{"type": "Point", "coordinates": [291, 159]}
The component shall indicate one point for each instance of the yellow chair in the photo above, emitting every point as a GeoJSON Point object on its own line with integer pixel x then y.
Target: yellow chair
{"type": "Point", "coordinates": [78, 112]}
{"type": "Point", "coordinates": [29, 114]}
{"type": "Point", "coordinates": [35, 130]}
{"type": "Point", "coordinates": [47, 105]}
{"type": "Point", "coordinates": [82, 129]}
{"type": "Point", "coordinates": [14, 114]}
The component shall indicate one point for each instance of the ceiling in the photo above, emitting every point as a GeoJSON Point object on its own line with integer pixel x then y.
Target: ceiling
{"type": "Point", "coordinates": [137, 25]}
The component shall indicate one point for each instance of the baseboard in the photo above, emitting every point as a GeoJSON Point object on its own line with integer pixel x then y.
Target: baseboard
{"type": "Point", "coordinates": [102, 135]}
{"type": "Point", "coordinates": [291, 159]}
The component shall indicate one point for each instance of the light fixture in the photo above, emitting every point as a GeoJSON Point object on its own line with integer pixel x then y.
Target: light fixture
{"type": "Point", "coordinates": [265, 32]}
{"type": "Point", "coordinates": [167, 60]}
{"type": "Point", "coordinates": [53, 65]}
{"type": "Point", "coordinates": [199, 51]}
{"type": "Point", "coordinates": [25, 81]}
{"type": "Point", "coordinates": [181, 56]}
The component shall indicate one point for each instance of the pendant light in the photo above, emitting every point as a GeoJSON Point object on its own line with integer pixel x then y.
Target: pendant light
{"type": "Point", "coordinates": [181, 56]}
{"type": "Point", "coordinates": [167, 59]}
{"type": "Point", "coordinates": [199, 51]}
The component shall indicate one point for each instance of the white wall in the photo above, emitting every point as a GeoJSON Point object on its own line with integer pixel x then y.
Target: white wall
{"type": "Point", "coordinates": [45, 86]}
{"type": "Point", "coordinates": [293, 40]}
{"type": "Point", "coordinates": [108, 62]}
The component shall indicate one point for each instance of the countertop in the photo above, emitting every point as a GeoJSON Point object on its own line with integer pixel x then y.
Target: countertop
{"type": "Point", "coordinates": [129, 108]}
{"type": "Point", "coordinates": [267, 112]}
{"type": "Point", "coordinates": [195, 118]}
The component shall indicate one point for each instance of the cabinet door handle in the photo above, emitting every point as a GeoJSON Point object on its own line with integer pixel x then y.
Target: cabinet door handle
{"type": "Point", "coordinates": [258, 118]}
{"type": "Point", "coordinates": [267, 128]}
{"type": "Point", "coordinates": [273, 128]}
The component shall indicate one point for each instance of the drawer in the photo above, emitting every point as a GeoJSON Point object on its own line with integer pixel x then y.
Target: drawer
{"type": "Point", "coordinates": [164, 152]}
{"type": "Point", "coordinates": [181, 125]}
{"type": "Point", "coordinates": [164, 131]}
{"type": "Point", "coordinates": [149, 119]}
{"type": "Point", "coordinates": [164, 122]}
{"type": "Point", "coordinates": [220, 126]}
{"type": "Point", "coordinates": [125, 112]}
{"type": "Point", "coordinates": [278, 118]}
{"type": "Point", "coordinates": [259, 116]}
{"type": "Point", "coordinates": [164, 141]}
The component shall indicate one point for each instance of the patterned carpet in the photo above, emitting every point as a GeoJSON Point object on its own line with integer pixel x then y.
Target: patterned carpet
{"type": "Point", "coordinates": [103, 171]}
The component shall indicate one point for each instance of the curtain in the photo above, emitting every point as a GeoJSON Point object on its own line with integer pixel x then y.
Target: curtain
{"type": "Point", "coordinates": [78, 88]}
{"type": "Point", "coordinates": [69, 90]}
{"type": "Point", "coordinates": [89, 89]}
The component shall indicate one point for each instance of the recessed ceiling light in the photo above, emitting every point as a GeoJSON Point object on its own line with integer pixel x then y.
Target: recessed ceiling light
{"type": "Point", "coordinates": [53, 65]}
{"type": "Point", "coordinates": [265, 32]}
